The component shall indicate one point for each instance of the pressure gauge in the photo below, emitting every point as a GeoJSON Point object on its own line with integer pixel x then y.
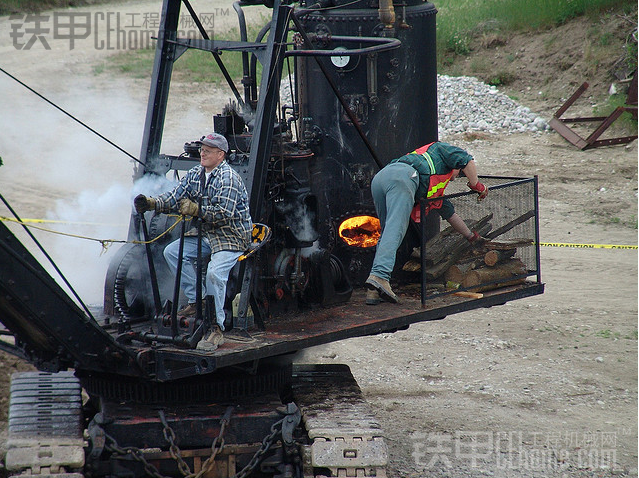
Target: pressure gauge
{"type": "Point", "coordinates": [340, 61]}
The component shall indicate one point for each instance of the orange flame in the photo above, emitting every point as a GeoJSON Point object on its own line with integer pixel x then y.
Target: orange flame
{"type": "Point", "coordinates": [360, 231]}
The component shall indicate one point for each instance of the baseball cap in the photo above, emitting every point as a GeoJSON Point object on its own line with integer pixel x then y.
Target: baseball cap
{"type": "Point", "coordinates": [215, 140]}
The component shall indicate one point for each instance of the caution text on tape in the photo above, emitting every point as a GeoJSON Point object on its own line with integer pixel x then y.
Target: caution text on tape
{"type": "Point", "coordinates": [587, 246]}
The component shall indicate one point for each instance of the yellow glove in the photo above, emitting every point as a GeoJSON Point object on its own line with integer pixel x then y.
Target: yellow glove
{"type": "Point", "coordinates": [188, 208]}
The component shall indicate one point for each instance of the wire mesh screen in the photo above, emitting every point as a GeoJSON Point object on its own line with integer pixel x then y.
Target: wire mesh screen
{"type": "Point", "coordinates": [507, 254]}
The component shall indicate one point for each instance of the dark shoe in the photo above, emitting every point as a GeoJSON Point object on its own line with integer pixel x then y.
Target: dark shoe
{"type": "Point", "coordinates": [382, 287]}
{"type": "Point", "coordinates": [212, 342]}
{"type": "Point", "coordinates": [187, 311]}
{"type": "Point", "coordinates": [372, 297]}
{"type": "Point", "coordinates": [190, 310]}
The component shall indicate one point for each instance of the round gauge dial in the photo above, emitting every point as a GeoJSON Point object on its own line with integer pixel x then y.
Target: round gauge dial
{"type": "Point", "coordinates": [340, 61]}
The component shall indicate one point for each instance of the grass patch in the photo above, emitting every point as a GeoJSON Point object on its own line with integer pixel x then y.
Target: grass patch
{"type": "Point", "coordinates": [194, 65]}
{"type": "Point", "coordinates": [619, 99]}
{"type": "Point", "coordinates": [614, 335]}
{"type": "Point", "coordinates": [606, 220]}
{"type": "Point", "coordinates": [8, 7]}
{"type": "Point", "coordinates": [463, 21]}
{"type": "Point", "coordinates": [501, 78]}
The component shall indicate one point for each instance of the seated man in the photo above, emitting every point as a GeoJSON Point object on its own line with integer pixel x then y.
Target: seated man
{"type": "Point", "coordinates": [226, 224]}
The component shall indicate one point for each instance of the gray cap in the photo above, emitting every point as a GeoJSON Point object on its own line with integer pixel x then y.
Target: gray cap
{"type": "Point", "coordinates": [215, 140]}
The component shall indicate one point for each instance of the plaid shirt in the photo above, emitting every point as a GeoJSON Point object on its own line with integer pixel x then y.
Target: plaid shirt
{"type": "Point", "coordinates": [225, 207]}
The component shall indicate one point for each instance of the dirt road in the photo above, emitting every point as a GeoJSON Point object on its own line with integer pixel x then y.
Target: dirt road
{"type": "Point", "coordinates": [545, 386]}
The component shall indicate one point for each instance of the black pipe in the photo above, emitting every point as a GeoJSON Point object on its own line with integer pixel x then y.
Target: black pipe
{"type": "Point", "coordinates": [216, 55]}
{"type": "Point", "coordinates": [149, 338]}
{"type": "Point", "coordinates": [178, 276]}
{"type": "Point", "coordinates": [347, 110]}
{"type": "Point", "coordinates": [75, 294]}
{"type": "Point", "coordinates": [152, 273]}
{"type": "Point", "coordinates": [198, 278]}
{"type": "Point", "coordinates": [381, 44]}
{"type": "Point", "coordinates": [253, 68]}
{"type": "Point", "coordinates": [245, 58]}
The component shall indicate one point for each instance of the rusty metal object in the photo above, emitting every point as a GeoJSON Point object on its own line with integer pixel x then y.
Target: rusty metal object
{"type": "Point", "coordinates": [559, 124]}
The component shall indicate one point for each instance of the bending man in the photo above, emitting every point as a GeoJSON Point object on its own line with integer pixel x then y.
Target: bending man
{"type": "Point", "coordinates": [396, 188]}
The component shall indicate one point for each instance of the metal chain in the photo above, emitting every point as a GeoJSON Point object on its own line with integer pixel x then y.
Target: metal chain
{"type": "Point", "coordinates": [216, 447]}
{"type": "Point", "coordinates": [174, 451]}
{"type": "Point", "coordinates": [113, 447]}
{"type": "Point", "coordinates": [267, 442]}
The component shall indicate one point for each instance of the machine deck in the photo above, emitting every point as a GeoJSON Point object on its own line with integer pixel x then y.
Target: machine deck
{"type": "Point", "coordinates": [301, 330]}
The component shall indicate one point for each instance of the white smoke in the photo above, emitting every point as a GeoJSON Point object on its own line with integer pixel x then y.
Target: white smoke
{"type": "Point", "coordinates": [57, 170]}
{"type": "Point", "coordinates": [91, 215]}
{"type": "Point", "coordinates": [299, 218]}
{"type": "Point", "coordinates": [151, 185]}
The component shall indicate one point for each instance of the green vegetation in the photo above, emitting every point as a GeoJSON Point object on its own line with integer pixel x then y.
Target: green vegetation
{"type": "Point", "coordinates": [7, 7]}
{"type": "Point", "coordinates": [196, 65]}
{"type": "Point", "coordinates": [467, 20]}
{"type": "Point", "coordinates": [610, 334]}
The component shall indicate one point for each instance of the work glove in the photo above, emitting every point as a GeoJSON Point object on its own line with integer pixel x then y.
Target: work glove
{"type": "Point", "coordinates": [143, 204]}
{"type": "Point", "coordinates": [476, 239]}
{"type": "Point", "coordinates": [479, 188]}
{"type": "Point", "coordinates": [188, 208]}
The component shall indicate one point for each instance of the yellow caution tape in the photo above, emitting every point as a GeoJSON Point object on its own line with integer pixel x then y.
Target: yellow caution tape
{"type": "Point", "coordinates": [587, 246]}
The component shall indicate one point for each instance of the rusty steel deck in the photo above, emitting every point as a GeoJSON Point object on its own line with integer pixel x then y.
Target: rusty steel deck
{"type": "Point", "coordinates": [354, 319]}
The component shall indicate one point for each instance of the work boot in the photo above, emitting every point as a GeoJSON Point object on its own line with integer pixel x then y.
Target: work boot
{"type": "Point", "coordinates": [372, 297]}
{"type": "Point", "coordinates": [382, 287]}
{"type": "Point", "coordinates": [213, 341]}
{"type": "Point", "coordinates": [188, 310]}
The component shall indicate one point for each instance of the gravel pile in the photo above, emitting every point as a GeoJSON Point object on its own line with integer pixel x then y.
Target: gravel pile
{"type": "Point", "coordinates": [467, 104]}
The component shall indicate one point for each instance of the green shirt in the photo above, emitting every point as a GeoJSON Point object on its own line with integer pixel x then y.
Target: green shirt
{"type": "Point", "coordinates": [446, 157]}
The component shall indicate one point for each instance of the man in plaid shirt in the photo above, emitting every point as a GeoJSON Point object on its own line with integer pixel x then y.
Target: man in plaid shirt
{"type": "Point", "coordinates": [226, 223]}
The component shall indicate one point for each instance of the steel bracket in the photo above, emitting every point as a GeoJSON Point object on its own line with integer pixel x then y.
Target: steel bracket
{"type": "Point", "coordinates": [559, 124]}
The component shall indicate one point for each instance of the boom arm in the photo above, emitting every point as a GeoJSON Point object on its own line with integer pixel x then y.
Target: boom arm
{"type": "Point", "coordinates": [52, 331]}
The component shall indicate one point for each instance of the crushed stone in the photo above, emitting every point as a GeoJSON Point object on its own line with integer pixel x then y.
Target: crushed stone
{"type": "Point", "coordinates": [467, 104]}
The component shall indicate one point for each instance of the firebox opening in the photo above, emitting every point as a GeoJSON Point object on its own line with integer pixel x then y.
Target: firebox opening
{"type": "Point", "coordinates": [360, 231]}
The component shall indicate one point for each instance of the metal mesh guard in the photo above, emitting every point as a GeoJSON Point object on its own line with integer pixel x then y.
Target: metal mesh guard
{"type": "Point", "coordinates": [508, 218]}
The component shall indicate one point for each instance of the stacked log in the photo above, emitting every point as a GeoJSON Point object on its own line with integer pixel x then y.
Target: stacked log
{"type": "Point", "coordinates": [494, 256]}
{"type": "Point", "coordinates": [446, 249]}
{"type": "Point", "coordinates": [500, 275]}
{"type": "Point", "coordinates": [479, 267]}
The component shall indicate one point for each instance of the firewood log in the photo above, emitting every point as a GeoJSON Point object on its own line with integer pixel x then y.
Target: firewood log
{"type": "Point", "coordinates": [493, 257]}
{"type": "Point", "coordinates": [500, 272]}
{"type": "Point", "coordinates": [457, 272]}
{"type": "Point", "coordinates": [439, 247]}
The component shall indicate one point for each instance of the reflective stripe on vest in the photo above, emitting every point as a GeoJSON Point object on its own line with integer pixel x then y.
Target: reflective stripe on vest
{"type": "Point", "coordinates": [437, 182]}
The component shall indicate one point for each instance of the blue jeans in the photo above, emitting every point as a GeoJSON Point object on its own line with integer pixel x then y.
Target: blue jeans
{"type": "Point", "coordinates": [393, 190]}
{"type": "Point", "coordinates": [217, 272]}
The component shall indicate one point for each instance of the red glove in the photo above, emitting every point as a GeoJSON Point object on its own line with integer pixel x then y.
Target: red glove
{"type": "Point", "coordinates": [479, 188]}
{"type": "Point", "coordinates": [474, 237]}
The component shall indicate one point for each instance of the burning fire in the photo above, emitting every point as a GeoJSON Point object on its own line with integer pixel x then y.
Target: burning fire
{"type": "Point", "coordinates": [360, 231]}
